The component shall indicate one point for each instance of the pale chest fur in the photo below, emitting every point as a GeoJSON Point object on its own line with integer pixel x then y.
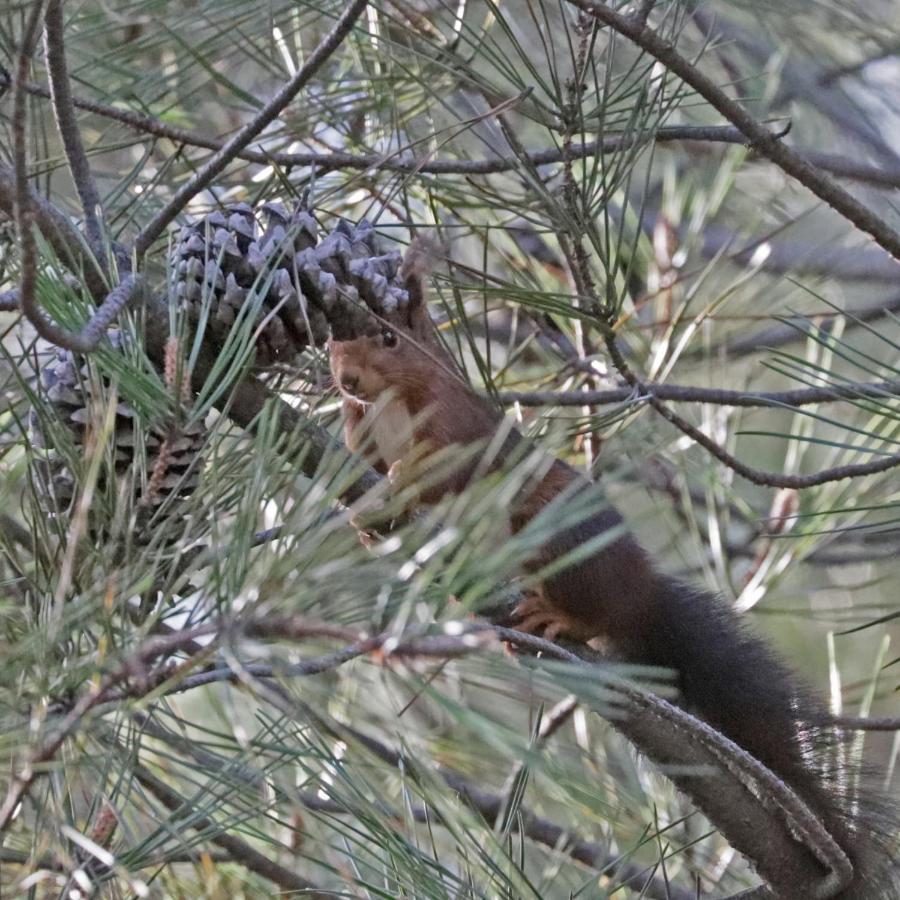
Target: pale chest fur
{"type": "Point", "coordinates": [391, 428]}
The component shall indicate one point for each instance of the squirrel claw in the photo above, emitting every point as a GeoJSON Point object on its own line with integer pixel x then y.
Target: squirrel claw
{"type": "Point", "coordinates": [539, 616]}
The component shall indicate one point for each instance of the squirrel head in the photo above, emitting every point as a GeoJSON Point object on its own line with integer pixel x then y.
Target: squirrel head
{"type": "Point", "coordinates": [400, 352]}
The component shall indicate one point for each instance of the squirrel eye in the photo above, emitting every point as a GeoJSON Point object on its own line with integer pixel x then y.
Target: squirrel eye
{"type": "Point", "coordinates": [389, 338]}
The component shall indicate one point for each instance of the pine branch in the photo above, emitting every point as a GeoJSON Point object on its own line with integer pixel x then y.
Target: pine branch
{"type": "Point", "coordinates": [102, 691]}
{"type": "Point", "coordinates": [762, 140]}
{"type": "Point", "coordinates": [236, 848]}
{"type": "Point", "coordinates": [843, 166]}
{"type": "Point", "coordinates": [756, 476]}
{"type": "Point", "coordinates": [673, 739]}
{"type": "Point", "coordinates": [487, 805]}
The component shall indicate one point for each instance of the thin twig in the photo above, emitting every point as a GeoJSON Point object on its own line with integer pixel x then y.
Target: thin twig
{"type": "Point", "coordinates": [868, 723]}
{"type": "Point", "coordinates": [760, 137]}
{"type": "Point", "coordinates": [26, 217]}
{"type": "Point", "coordinates": [88, 339]}
{"type": "Point", "coordinates": [853, 169]}
{"type": "Point", "coordinates": [756, 476]}
{"type": "Point", "coordinates": [878, 390]}
{"type": "Point", "coordinates": [239, 141]}
{"type": "Point", "coordinates": [667, 134]}
{"type": "Point", "coordinates": [643, 11]}
{"type": "Point", "coordinates": [60, 90]}
{"type": "Point", "coordinates": [118, 298]}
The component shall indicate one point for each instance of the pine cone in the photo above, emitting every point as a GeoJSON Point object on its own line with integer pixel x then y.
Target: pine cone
{"type": "Point", "coordinates": [228, 260]}
{"type": "Point", "coordinates": [171, 454]}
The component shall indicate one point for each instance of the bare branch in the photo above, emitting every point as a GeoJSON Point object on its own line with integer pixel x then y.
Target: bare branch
{"type": "Point", "coordinates": [23, 209]}
{"type": "Point", "coordinates": [867, 723]}
{"type": "Point", "coordinates": [878, 390]}
{"type": "Point", "coordinates": [240, 140]}
{"type": "Point", "coordinates": [763, 141]}
{"type": "Point", "coordinates": [845, 167]}
{"type": "Point", "coordinates": [297, 629]}
{"type": "Point", "coordinates": [9, 301]}
{"type": "Point", "coordinates": [860, 263]}
{"type": "Point", "coordinates": [800, 78]}
{"type": "Point", "coordinates": [60, 90]}
{"type": "Point", "coordinates": [726, 134]}
{"type": "Point", "coordinates": [852, 169]}
{"type": "Point", "coordinates": [56, 228]}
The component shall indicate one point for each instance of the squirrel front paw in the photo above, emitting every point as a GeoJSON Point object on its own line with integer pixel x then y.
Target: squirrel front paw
{"type": "Point", "coordinates": [536, 614]}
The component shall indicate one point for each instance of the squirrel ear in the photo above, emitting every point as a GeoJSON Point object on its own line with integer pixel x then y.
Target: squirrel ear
{"type": "Point", "coordinates": [418, 263]}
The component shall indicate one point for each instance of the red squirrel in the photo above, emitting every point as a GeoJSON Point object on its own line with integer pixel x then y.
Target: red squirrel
{"type": "Point", "coordinates": [404, 398]}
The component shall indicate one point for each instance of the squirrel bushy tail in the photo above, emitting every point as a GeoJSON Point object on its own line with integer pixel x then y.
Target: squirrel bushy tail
{"type": "Point", "coordinates": [736, 682]}
{"type": "Point", "coordinates": [725, 674]}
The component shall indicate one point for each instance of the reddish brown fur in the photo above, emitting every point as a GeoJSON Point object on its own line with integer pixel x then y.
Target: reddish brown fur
{"type": "Point", "coordinates": [418, 373]}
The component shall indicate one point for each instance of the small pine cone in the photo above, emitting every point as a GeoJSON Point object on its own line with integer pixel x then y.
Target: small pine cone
{"type": "Point", "coordinates": [70, 388]}
{"type": "Point", "coordinates": [237, 256]}
{"type": "Point", "coordinates": [67, 384]}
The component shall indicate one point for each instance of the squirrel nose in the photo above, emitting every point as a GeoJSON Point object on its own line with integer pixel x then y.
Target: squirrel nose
{"type": "Point", "coordinates": [350, 383]}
